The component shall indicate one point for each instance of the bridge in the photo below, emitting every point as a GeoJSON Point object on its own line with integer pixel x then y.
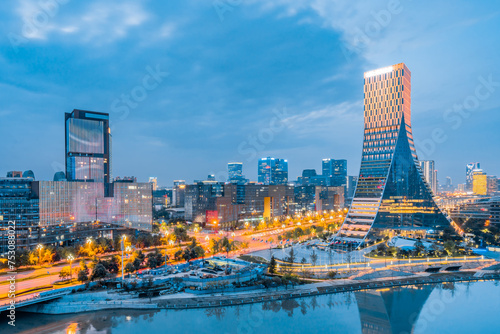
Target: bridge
{"type": "Point", "coordinates": [35, 299]}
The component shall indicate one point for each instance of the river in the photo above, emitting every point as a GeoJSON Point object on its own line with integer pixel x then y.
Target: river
{"type": "Point", "coordinates": [439, 308]}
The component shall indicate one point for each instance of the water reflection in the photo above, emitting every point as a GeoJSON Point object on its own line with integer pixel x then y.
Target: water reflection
{"type": "Point", "coordinates": [399, 311]}
{"type": "Point", "coordinates": [391, 311]}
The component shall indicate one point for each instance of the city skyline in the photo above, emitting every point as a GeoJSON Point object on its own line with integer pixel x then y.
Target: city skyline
{"type": "Point", "coordinates": [316, 93]}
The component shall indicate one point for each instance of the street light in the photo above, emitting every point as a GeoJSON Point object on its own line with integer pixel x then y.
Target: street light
{"type": "Point", "coordinates": [70, 259]}
{"type": "Point", "coordinates": [124, 237]}
{"type": "Point", "coordinates": [39, 247]}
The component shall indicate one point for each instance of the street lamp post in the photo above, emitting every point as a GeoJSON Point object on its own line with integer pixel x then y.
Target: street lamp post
{"type": "Point", "coordinates": [70, 259]}
{"type": "Point", "coordinates": [123, 249]}
{"type": "Point", "coordinates": [39, 247]}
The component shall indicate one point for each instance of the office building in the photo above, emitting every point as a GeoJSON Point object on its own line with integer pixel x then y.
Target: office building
{"type": "Point", "coordinates": [154, 183]}
{"type": "Point", "coordinates": [479, 183]}
{"type": "Point", "coordinates": [179, 193]}
{"type": "Point", "coordinates": [469, 174]}
{"type": "Point", "coordinates": [310, 178]}
{"type": "Point", "coordinates": [350, 188]}
{"type": "Point", "coordinates": [88, 146]}
{"type": "Point", "coordinates": [61, 213]}
{"type": "Point", "coordinates": [318, 198]}
{"type": "Point", "coordinates": [235, 173]}
{"type": "Point", "coordinates": [391, 192]}
{"type": "Point", "coordinates": [430, 174]}
{"type": "Point", "coordinates": [272, 171]}
{"type": "Point", "coordinates": [335, 171]}
{"type": "Point", "coordinates": [491, 184]}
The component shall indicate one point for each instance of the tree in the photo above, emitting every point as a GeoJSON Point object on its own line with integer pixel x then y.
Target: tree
{"type": "Point", "coordinates": [291, 256]}
{"type": "Point", "coordinates": [419, 247]}
{"type": "Point", "coordinates": [214, 246]}
{"type": "Point", "coordinates": [129, 268]}
{"type": "Point", "coordinates": [272, 265]}
{"type": "Point", "coordinates": [99, 272]}
{"type": "Point", "coordinates": [187, 254]}
{"type": "Point", "coordinates": [450, 247]}
{"type": "Point", "coordinates": [393, 251]}
{"type": "Point", "coordinates": [65, 273]}
{"type": "Point", "coordinates": [331, 274]}
{"type": "Point", "coordinates": [227, 245]}
{"type": "Point", "coordinates": [154, 259]}
{"type": "Point", "coordinates": [314, 258]}
{"type": "Point", "coordinates": [83, 276]}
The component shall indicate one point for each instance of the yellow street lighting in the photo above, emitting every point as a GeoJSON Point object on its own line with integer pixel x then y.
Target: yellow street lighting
{"type": "Point", "coordinates": [70, 259]}
{"type": "Point", "coordinates": [207, 238]}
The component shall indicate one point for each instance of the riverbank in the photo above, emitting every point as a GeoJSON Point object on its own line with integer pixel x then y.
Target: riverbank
{"type": "Point", "coordinates": [112, 300]}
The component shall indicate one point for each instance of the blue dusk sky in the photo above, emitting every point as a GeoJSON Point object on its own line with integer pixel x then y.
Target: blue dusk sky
{"type": "Point", "coordinates": [194, 84]}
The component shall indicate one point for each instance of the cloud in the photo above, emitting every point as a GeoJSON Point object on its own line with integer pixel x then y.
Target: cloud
{"type": "Point", "coordinates": [96, 22]}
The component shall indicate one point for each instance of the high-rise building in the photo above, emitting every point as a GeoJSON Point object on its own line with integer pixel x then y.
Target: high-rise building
{"type": "Point", "coordinates": [234, 170]}
{"type": "Point", "coordinates": [391, 192]}
{"type": "Point", "coordinates": [179, 193]}
{"type": "Point", "coordinates": [309, 177]}
{"type": "Point", "coordinates": [273, 171]}
{"type": "Point", "coordinates": [492, 184]}
{"type": "Point", "coordinates": [88, 146]}
{"type": "Point", "coordinates": [430, 174]}
{"type": "Point", "coordinates": [469, 172]}
{"type": "Point", "coordinates": [154, 182]}
{"type": "Point", "coordinates": [449, 184]}
{"type": "Point", "coordinates": [336, 171]}
{"type": "Point", "coordinates": [15, 174]}
{"type": "Point", "coordinates": [479, 182]}
{"type": "Point", "coordinates": [351, 186]}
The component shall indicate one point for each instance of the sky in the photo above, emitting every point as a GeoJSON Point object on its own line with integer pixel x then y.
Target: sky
{"type": "Point", "coordinates": [194, 84]}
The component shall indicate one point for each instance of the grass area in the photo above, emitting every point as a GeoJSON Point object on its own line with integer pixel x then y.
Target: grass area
{"type": "Point", "coordinates": [27, 291]}
{"type": "Point", "coordinates": [19, 270]}
{"type": "Point", "coordinates": [28, 278]}
{"type": "Point", "coordinates": [253, 259]}
{"type": "Point", "coordinates": [67, 282]}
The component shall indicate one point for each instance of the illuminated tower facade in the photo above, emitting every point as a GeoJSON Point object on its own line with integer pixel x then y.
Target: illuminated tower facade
{"type": "Point", "coordinates": [88, 146]}
{"type": "Point", "coordinates": [391, 192]}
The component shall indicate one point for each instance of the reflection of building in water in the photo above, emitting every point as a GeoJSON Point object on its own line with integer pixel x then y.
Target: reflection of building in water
{"type": "Point", "coordinates": [391, 311]}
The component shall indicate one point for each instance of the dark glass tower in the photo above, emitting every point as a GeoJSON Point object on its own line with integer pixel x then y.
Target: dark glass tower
{"type": "Point", "coordinates": [273, 171]}
{"type": "Point", "coordinates": [336, 171]}
{"type": "Point", "coordinates": [88, 146]}
{"type": "Point", "coordinates": [391, 192]}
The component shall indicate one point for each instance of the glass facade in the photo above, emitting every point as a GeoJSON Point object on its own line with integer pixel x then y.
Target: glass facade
{"type": "Point", "coordinates": [65, 202]}
{"type": "Point", "coordinates": [391, 192]}
{"type": "Point", "coordinates": [273, 171]}
{"type": "Point", "coordinates": [336, 171]}
{"type": "Point", "coordinates": [88, 146]}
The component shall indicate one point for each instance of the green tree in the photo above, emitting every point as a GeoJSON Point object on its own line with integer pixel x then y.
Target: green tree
{"type": "Point", "coordinates": [214, 246]}
{"type": "Point", "coordinates": [272, 265]}
{"type": "Point", "coordinates": [99, 272]}
{"type": "Point", "coordinates": [291, 256]}
{"type": "Point", "coordinates": [129, 268]}
{"type": "Point", "coordinates": [331, 274]}
{"type": "Point", "coordinates": [314, 258]}
{"type": "Point", "coordinates": [450, 247]}
{"type": "Point", "coordinates": [65, 272]}
{"type": "Point", "coordinates": [83, 275]}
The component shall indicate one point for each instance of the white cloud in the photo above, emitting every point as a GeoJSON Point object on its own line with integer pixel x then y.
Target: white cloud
{"type": "Point", "coordinates": [323, 120]}
{"type": "Point", "coordinates": [97, 22]}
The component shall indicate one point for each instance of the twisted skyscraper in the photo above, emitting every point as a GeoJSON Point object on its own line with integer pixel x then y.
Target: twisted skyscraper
{"type": "Point", "coordinates": [391, 192]}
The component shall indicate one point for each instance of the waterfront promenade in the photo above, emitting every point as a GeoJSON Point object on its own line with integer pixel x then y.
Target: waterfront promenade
{"type": "Point", "coordinates": [88, 302]}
